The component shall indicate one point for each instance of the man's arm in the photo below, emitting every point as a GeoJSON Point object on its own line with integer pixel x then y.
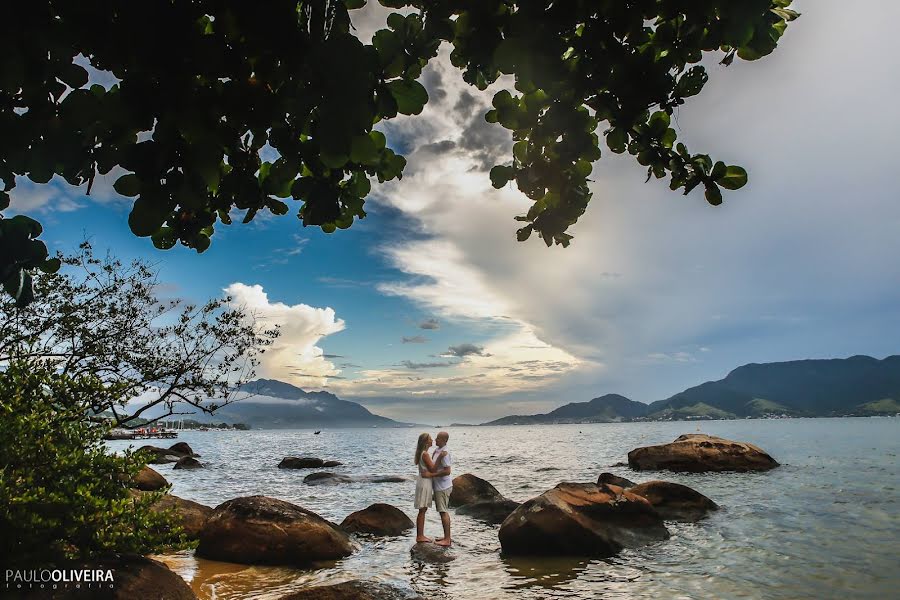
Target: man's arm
{"type": "Point", "coordinates": [445, 469]}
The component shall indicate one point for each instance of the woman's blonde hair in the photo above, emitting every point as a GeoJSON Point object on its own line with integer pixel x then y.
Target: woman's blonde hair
{"type": "Point", "coordinates": [420, 447]}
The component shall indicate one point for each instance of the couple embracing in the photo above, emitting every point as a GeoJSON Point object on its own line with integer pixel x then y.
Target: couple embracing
{"type": "Point", "coordinates": [433, 482]}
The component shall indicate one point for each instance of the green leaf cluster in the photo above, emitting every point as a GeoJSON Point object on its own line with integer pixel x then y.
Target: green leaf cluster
{"type": "Point", "coordinates": [191, 117]}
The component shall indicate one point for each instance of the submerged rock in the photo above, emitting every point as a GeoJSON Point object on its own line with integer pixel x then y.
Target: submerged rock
{"type": "Point", "coordinates": [332, 463]}
{"type": "Point", "coordinates": [675, 502]}
{"type": "Point", "coordinates": [259, 530]}
{"type": "Point", "coordinates": [148, 480]}
{"type": "Point", "coordinates": [188, 462]}
{"type": "Point", "coordinates": [160, 456]}
{"type": "Point", "coordinates": [469, 488]}
{"type": "Point", "coordinates": [354, 590]}
{"type": "Point", "coordinates": [378, 519]}
{"type": "Point", "coordinates": [301, 462]}
{"type": "Point", "coordinates": [581, 519]}
{"type": "Point", "coordinates": [698, 453]}
{"type": "Point", "coordinates": [182, 448]}
{"type": "Point", "coordinates": [328, 478]}
{"type": "Point", "coordinates": [431, 553]}
{"type": "Point", "coordinates": [611, 479]}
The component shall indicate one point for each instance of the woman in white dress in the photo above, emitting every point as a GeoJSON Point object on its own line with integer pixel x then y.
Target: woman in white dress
{"type": "Point", "coordinates": [424, 490]}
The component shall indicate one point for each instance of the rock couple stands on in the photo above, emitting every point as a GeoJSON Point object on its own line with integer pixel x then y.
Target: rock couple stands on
{"type": "Point", "coordinates": [696, 453]}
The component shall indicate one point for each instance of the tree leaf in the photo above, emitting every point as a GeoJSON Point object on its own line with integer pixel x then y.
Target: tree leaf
{"type": "Point", "coordinates": [411, 96]}
{"type": "Point", "coordinates": [734, 178]}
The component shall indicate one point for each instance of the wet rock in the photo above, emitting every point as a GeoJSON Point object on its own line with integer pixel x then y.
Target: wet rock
{"type": "Point", "coordinates": [431, 553]}
{"type": "Point", "coordinates": [324, 477]}
{"type": "Point", "coordinates": [160, 456]}
{"type": "Point", "coordinates": [581, 519]}
{"type": "Point", "coordinates": [259, 530]}
{"type": "Point", "coordinates": [490, 511]}
{"type": "Point", "coordinates": [328, 478]}
{"type": "Point", "coordinates": [332, 463]}
{"type": "Point", "coordinates": [182, 448]}
{"type": "Point", "coordinates": [301, 462]}
{"type": "Point", "coordinates": [699, 453]}
{"type": "Point", "coordinates": [188, 462]}
{"type": "Point", "coordinates": [469, 488]}
{"type": "Point", "coordinates": [354, 590]}
{"type": "Point", "coordinates": [675, 502]}
{"type": "Point", "coordinates": [148, 480]}
{"type": "Point", "coordinates": [134, 577]}
{"type": "Point", "coordinates": [378, 519]}
{"type": "Point", "coordinates": [614, 480]}
{"type": "Point", "coordinates": [192, 516]}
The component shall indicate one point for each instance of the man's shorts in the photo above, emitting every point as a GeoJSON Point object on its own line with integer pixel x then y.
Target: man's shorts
{"type": "Point", "coordinates": [442, 500]}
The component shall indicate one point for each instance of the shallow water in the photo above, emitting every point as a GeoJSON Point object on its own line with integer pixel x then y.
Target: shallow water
{"type": "Point", "coordinates": [825, 524]}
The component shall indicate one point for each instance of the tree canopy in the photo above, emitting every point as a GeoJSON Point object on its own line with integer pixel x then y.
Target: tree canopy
{"type": "Point", "coordinates": [204, 86]}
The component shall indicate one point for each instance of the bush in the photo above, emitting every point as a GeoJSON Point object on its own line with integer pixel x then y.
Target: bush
{"type": "Point", "coordinates": [62, 494]}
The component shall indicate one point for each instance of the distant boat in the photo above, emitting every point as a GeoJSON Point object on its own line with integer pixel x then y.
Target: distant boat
{"type": "Point", "coordinates": [317, 432]}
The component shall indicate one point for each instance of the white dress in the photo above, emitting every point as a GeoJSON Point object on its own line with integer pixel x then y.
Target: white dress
{"type": "Point", "coordinates": [424, 489]}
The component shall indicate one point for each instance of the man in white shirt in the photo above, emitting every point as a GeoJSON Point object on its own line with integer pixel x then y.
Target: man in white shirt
{"type": "Point", "coordinates": [443, 484]}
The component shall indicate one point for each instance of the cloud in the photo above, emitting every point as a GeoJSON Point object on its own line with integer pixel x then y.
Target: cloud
{"type": "Point", "coordinates": [429, 324]}
{"type": "Point", "coordinates": [797, 264]}
{"type": "Point", "coordinates": [295, 356]}
{"type": "Point", "coordinates": [416, 339]}
{"type": "Point", "coordinates": [463, 350]}
{"type": "Point", "coordinates": [431, 365]}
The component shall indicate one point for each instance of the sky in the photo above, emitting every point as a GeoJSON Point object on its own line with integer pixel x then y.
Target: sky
{"type": "Point", "coordinates": [429, 310]}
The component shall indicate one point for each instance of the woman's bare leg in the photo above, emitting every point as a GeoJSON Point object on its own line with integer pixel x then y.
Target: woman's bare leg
{"type": "Point", "coordinates": [420, 526]}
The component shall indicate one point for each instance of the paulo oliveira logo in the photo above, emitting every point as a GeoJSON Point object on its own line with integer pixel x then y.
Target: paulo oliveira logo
{"type": "Point", "coordinates": [58, 579]}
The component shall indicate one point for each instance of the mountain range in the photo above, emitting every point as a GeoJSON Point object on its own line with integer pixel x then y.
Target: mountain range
{"type": "Point", "coordinates": [273, 404]}
{"type": "Point", "coordinates": [859, 385]}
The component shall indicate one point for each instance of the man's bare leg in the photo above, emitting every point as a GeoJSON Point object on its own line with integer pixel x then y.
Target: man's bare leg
{"type": "Point", "coordinates": [420, 527]}
{"type": "Point", "coordinates": [445, 521]}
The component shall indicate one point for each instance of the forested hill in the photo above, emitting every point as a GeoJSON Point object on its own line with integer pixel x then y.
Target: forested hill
{"type": "Point", "coordinates": [859, 385]}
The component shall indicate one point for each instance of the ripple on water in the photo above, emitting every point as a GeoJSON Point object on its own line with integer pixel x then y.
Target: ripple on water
{"type": "Point", "coordinates": [824, 522]}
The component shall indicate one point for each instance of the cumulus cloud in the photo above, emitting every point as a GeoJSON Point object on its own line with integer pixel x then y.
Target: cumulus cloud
{"type": "Point", "coordinates": [295, 356]}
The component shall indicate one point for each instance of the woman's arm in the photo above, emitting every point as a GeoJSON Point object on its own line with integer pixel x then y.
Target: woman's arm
{"type": "Point", "coordinates": [429, 464]}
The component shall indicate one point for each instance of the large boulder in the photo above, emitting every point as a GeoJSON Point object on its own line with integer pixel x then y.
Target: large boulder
{"type": "Point", "coordinates": [581, 519]}
{"type": "Point", "coordinates": [188, 462]}
{"type": "Point", "coordinates": [160, 456]}
{"type": "Point", "coordinates": [490, 511]}
{"type": "Point", "coordinates": [134, 577]}
{"type": "Point", "coordinates": [354, 590]}
{"type": "Point", "coordinates": [675, 502]}
{"type": "Point", "coordinates": [148, 480]}
{"type": "Point", "coordinates": [266, 531]}
{"type": "Point", "coordinates": [192, 516]}
{"type": "Point", "coordinates": [182, 448]}
{"type": "Point", "coordinates": [611, 479]}
{"type": "Point", "coordinates": [301, 462]}
{"type": "Point", "coordinates": [468, 489]}
{"type": "Point", "coordinates": [378, 519]}
{"type": "Point", "coordinates": [697, 453]}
